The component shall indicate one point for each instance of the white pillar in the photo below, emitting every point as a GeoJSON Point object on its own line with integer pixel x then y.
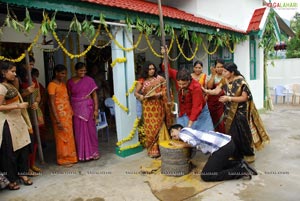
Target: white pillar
{"type": "Point", "coordinates": [123, 79]}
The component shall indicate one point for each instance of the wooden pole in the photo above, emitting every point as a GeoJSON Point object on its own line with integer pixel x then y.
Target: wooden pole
{"type": "Point", "coordinates": [163, 40]}
{"type": "Point", "coordinates": [35, 122]}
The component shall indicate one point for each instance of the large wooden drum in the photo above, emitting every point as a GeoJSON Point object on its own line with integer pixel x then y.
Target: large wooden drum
{"type": "Point", "coordinates": [175, 161]}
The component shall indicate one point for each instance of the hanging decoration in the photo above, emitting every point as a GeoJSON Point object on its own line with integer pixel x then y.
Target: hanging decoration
{"type": "Point", "coordinates": [131, 89]}
{"type": "Point", "coordinates": [131, 134]}
{"type": "Point", "coordinates": [119, 104]}
{"type": "Point", "coordinates": [118, 60]}
{"type": "Point", "coordinates": [87, 29]}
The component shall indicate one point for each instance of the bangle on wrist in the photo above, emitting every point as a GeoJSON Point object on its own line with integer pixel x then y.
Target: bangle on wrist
{"type": "Point", "coordinates": [229, 98]}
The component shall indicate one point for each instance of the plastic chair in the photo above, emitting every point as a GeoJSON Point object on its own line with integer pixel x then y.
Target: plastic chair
{"type": "Point", "coordinates": [289, 92]}
{"type": "Point", "coordinates": [110, 104]}
{"type": "Point", "coordinates": [102, 123]}
{"type": "Point", "coordinates": [280, 91]}
{"type": "Point", "coordinates": [296, 92]}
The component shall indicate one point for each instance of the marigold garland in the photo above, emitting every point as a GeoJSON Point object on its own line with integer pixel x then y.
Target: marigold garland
{"type": "Point", "coordinates": [130, 146]}
{"type": "Point", "coordinates": [180, 49]}
{"type": "Point", "coordinates": [128, 49]}
{"type": "Point", "coordinates": [131, 89]}
{"type": "Point", "coordinates": [229, 47]}
{"type": "Point", "coordinates": [151, 48]}
{"type": "Point", "coordinates": [20, 58]}
{"type": "Point", "coordinates": [72, 56]}
{"type": "Point", "coordinates": [118, 60]}
{"type": "Point", "coordinates": [211, 53]}
{"type": "Point", "coordinates": [119, 104]}
{"type": "Point", "coordinates": [131, 134]}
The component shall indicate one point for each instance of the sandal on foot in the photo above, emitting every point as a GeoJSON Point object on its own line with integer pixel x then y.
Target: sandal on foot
{"type": "Point", "coordinates": [26, 181]}
{"type": "Point", "coordinates": [68, 165]}
{"type": "Point", "coordinates": [35, 168]}
{"type": "Point", "coordinates": [13, 186]}
{"type": "Point", "coordinates": [96, 157]}
{"type": "Point", "coordinates": [32, 173]}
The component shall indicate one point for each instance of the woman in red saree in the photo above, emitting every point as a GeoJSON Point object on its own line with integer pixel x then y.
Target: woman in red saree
{"type": "Point", "coordinates": [151, 90]}
{"type": "Point", "coordinates": [61, 116]}
{"type": "Point", "coordinates": [216, 108]}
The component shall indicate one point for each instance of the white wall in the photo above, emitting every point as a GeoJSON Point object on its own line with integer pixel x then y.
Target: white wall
{"type": "Point", "coordinates": [284, 71]}
{"type": "Point", "coordinates": [235, 13]}
{"type": "Point", "coordinates": [241, 59]}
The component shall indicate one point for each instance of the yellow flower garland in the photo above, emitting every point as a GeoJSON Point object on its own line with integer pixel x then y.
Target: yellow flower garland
{"type": "Point", "coordinates": [131, 88]}
{"type": "Point", "coordinates": [20, 58]}
{"type": "Point", "coordinates": [119, 104]}
{"type": "Point", "coordinates": [151, 48]}
{"type": "Point", "coordinates": [72, 56]}
{"type": "Point", "coordinates": [229, 48]}
{"type": "Point", "coordinates": [131, 134]}
{"type": "Point", "coordinates": [180, 49]}
{"type": "Point", "coordinates": [130, 146]}
{"type": "Point", "coordinates": [128, 49]}
{"type": "Point", "coordinates": [213, 52]}
{"type": "Point", "coordinates": [118, 60]}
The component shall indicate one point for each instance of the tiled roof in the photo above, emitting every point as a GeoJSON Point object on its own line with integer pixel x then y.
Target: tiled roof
{"type": "Point", "coordinates": [152, 8]}
{"type": "Point", "coordinates": [256, 19]}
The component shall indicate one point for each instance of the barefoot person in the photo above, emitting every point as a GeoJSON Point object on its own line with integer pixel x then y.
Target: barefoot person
{"type": "Point", "coordinates": [61, 116]}
{"type": "Point", "coordinates": [151, 91]}
{"type": "Point", "coordinates": [84, 101]}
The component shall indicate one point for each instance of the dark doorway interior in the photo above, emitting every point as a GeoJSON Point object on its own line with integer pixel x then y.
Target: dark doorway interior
{"type": "Point", "coordinates": [98, 62]}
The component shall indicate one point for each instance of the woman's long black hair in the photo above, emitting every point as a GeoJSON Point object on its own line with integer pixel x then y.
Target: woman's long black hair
{"type": "Point", "coordinates": [57, 69]}
{"type": "Point", "coordinates": [5, 66]}
{"type": "Point", "coordinates": [145, 70]}
{"type": "Point", "coordinates": [232, 67]}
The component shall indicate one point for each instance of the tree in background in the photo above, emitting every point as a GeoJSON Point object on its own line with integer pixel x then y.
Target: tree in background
{"type": "Point", "coordinates": [293, 44]}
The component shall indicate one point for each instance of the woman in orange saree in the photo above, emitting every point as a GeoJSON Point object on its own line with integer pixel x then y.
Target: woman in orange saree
{"type": "Point", "coordinates": [61, 116]}
{"type": "Point", "coordinates": [151, 90]}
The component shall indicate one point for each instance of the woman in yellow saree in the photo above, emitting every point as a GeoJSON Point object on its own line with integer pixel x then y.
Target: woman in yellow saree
{"type": "Point", "coordinates": [151, 90]}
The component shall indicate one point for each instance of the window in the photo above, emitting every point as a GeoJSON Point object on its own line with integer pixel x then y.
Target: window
{"type": "Point", "coordinates": [252, 52]}
{"type": "Point", "coordinates": [221, 53]}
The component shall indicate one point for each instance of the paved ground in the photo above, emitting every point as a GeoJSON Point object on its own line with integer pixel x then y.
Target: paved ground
{"type": "Point", "coordinates": [113, 178]}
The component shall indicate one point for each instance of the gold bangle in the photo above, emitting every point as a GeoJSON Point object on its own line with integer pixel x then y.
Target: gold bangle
{"type": "Point", "coordinates": [229, 98]}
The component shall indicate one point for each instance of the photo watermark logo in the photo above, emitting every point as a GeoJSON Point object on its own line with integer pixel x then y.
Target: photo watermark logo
{"type": "Point", "coordinates": [283, 5]}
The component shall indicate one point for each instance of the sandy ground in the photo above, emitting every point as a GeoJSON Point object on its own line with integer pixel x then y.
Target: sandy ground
{"type": "Point", "coordinates": [114, 178]}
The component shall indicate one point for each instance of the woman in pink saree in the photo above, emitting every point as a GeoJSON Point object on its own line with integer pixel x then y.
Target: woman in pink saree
{"type": "Point", "coordinates": [84, 101]}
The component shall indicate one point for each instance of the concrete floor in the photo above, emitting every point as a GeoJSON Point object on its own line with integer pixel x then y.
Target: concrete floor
{"type": "Point", "coordinates": [113, 178]}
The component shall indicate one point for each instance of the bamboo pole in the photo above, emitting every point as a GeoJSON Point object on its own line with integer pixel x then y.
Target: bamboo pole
{"type": "Point", "coordinates": [163, 40]}
{"type": "Point", "coordinates": [35, 122]}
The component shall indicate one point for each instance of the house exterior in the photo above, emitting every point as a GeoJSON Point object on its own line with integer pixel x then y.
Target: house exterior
{"type": "Point", "coordinates": [238, 19]}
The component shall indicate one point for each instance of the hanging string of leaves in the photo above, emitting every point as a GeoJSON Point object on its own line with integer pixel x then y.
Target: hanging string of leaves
{"type": "Point", "coordinates": [87, 28]}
